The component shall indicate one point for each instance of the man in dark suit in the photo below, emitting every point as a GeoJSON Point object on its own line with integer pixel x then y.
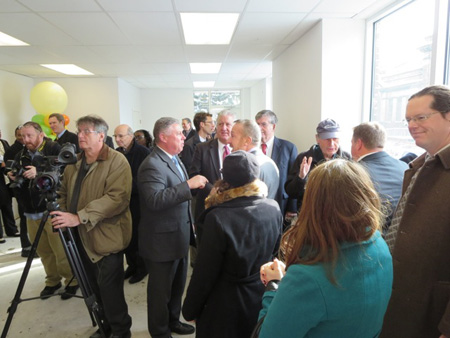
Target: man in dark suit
{"type": "Point", "coordinates": [283, 153]}
{"type": "Point", "coordinates": [205, 126]}
{"type": "Point", "coordinates": [165, 229]}
{"type": "Point", "coordinates": [385, 171]}
{"type": "Point", "coordinates": [5, 198]}
{"type": "Point", "coordinates": [208, 158]}
{"type": "Point", "coordinates": [188, 131]}
{"type": "Point", "coordinates": [135, 155]}
{"type": "Point", "coordinates": [57, 124]}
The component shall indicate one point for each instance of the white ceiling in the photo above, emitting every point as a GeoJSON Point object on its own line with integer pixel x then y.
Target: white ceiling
{"type": "Point", "coordinates": [141, 41]}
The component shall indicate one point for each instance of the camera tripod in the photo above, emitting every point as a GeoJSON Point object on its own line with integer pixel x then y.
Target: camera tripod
{"type": "Point", "coordinates": [75, 262]}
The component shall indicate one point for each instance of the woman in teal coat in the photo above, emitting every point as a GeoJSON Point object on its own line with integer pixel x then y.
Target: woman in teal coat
{"type": "Point", "coordinates": [338, 274]}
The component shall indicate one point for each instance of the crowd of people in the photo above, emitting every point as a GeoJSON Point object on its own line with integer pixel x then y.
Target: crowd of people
{"type": "Point", "coordinates": [324, 243]}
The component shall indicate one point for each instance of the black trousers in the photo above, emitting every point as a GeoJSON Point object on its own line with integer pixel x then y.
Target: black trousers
{"type": "Point", "coordinates": [134, 260]}
{"type": "Point", "coordinates": [164, 292]}
{"type": "Point", "coordinates": [7, 212]}
{"type": "Point", "coordinates": [106, 278]}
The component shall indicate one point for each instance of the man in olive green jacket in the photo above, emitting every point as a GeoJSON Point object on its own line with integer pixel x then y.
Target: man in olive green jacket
{"type": "Point", "coordinates": [95, 196]}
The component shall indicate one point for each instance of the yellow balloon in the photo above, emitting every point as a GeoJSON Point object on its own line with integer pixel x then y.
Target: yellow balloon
{"type": "Point", "coordinates": [48, 97]}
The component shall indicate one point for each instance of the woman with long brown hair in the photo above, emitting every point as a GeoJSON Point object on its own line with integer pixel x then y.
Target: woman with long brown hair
{"type": "Point", "coordinates": [337, 270]}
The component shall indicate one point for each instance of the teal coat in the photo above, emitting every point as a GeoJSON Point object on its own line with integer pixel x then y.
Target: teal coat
{"type": "Point", "coordinates": [307, 304]}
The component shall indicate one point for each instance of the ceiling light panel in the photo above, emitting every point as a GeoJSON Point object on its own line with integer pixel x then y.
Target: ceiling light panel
{"type": "Point", "coordinates": [68, 69]}
{"type": "Point", "coordinates": [208, 28]}
{"type": "Point", "coordinates": [7, 40]}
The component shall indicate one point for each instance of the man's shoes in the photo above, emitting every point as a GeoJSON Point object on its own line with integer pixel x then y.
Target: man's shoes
{"type": "Point", "coordinates": [49, 290]}
{"type": "Point", "coordinates": [16, 234]}
{"type": "Point", "coordinates": [26, 252]}
{"type": "Point", "coordinates": [137, 277]}
{"type": "Point", "coordinates": [182, 328]}
{"type": "Point", "coordinates": [69, 292]}
{"type": "Point", "coordinates": [97, 334]}
{"type": "Point", "coordinates": [126, 335]}
{"type": "Point", "coordinates": [129, 272]}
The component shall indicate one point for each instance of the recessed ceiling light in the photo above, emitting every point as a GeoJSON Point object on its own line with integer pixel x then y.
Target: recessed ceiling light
{"type": "Point", "coordinates": [208, 28]}
{"type": "Point", "coordinates": [203, 84]}
{"type": "Point", "coordinates": [205, 68]}
{"type": "Point", "coordinates": [68, 69]}
{"type": "Point", "coordinates": [7, 40]}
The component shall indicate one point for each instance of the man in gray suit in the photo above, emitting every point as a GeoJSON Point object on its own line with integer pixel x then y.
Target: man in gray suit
{"type": "Point", "coordinates": [386, 172]}
{"type": "Point", "coordinates": [165, 229]}
{"type": "Point", "coordinates": [246, 136]}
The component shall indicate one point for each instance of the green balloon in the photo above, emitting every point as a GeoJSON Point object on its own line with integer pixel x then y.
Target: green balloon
{"type": "Point", "coordinates": [47, 130]}
{"type": "Point", "coordinates": [39, 119]}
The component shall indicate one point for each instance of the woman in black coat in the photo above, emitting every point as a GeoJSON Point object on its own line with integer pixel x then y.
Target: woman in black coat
{"type": "Point", "coordinates": [238, 232]}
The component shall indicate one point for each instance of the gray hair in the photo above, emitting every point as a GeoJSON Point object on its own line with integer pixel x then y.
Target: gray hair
{"type": "Point", "coordinates": [162, 125]}
{"type": "Point", "coordinates": [252, 130]}
{"type": "Point", "coordinates": [267, 113]}
{"type": "Point", "coordinates": [226, 112]}
{"type": "Point", "coordinates": [372, 134]}
{"type": "Point", "coordinates": [97, 122]}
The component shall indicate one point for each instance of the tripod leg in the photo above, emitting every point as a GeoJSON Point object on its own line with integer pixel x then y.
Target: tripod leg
{"type": "Point", "coordinates": [16, 300]}
{"type": "Point", "coordinates": [76, 263]}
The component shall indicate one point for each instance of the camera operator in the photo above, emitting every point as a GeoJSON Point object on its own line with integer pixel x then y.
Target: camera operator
{"type": "Point", "coordinates": [50, 247]}
{"type": "Point", "coordinates": [94, 197]}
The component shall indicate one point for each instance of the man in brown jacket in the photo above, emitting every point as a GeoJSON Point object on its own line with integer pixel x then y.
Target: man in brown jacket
{"type": "Point", "coordinates": [420, 230]}
{"type": "Point", "coordinates": [95, 196]}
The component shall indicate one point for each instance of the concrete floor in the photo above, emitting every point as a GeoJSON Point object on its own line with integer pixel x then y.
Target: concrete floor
{"type": "Point", "coordinates": [55, 318]}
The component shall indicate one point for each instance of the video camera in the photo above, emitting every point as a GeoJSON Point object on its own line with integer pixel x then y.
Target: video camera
{"type": "Point", "coordinates": [48, 168]}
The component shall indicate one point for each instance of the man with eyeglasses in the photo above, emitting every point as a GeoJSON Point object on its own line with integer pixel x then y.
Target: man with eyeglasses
{"type": "Point", "coordinates": [283, 153]}
{"type": "Point", "coordinates": [94, 198]}
{"type": "Point", "coordinates": [135, 154]}
{"type": "Point", "coordinates": [50, 247]}
{"type": "Point", "coordinates": [205, 126]}
{"type": "Point", "coordinates": [420, 230]}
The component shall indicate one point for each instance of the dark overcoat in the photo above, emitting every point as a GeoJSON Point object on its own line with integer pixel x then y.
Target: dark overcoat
{"type": "Point", "coordinates": [225, 291]}
{"type": "Point", "coordinates": [420, 301]}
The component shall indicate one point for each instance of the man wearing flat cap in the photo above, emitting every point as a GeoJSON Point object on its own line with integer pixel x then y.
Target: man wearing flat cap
{"type": "Point", "coordinates": [327, 148]}
{"type": "Point", "coordinates": [241, 229]}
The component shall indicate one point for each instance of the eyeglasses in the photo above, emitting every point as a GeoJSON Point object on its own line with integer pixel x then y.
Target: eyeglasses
{"type": "Point", "coordinates": [120, 136]}
{"type": "Point", "coordinates": [419, 118]}
{"type": "Point", "coordinates": [139, 137]}
{"type": "Point", "coordinates": [86, 132]}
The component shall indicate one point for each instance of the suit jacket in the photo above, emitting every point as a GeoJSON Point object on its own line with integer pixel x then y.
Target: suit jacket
{"type": "Point", "coordinates": [191, 133]}
{"type": "Point", "coordinates": [187, 154]}
{"type": "Point", "coordinates": [420, 302]}
{"type": "Point", "coordinates": [69, 137]}
{"type": "Point", "coordinates": [386, 173]}
{"type": "Point", "coordinates": [165, 228]}
{"type": "Point", "coordinates": [268, 172]}
{"type": "Point", "coordinates": [284, 154]}
{"type": "Point", "coordinates": [206, 162]}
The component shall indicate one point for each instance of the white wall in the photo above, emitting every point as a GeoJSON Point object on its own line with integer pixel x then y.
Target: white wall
{"type": "Point", "coordinates": [156, 103]}
{"type": "Point", "coordinates": [130, 105]}
{"type": "Point", "coordinates": [297, 80]}
{"type": "Point", "coordinates": [320, 76]}
{"type": "Point", "coordinates": [15, 105]}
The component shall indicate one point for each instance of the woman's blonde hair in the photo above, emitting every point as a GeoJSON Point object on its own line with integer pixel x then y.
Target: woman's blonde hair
{"type": "Point", "coordinates": [340, 205]}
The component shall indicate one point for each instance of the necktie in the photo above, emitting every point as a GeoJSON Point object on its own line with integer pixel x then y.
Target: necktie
{"type": "Point", "coordinates": [264, 148]}
{"type": "Point", "coordinates": [391, 234]}
{"type": "Point", "coordinates": [226, 151]}
{"type": "Point", "coordinates": [177, 164]}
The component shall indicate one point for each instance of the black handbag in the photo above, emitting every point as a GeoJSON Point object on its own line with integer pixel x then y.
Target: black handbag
{"type": "Point", "coordinates": [257, 329]}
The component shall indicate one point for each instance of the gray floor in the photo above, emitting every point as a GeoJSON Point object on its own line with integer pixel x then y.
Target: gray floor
{"type": "Point", "coordinates": [55, 318]}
